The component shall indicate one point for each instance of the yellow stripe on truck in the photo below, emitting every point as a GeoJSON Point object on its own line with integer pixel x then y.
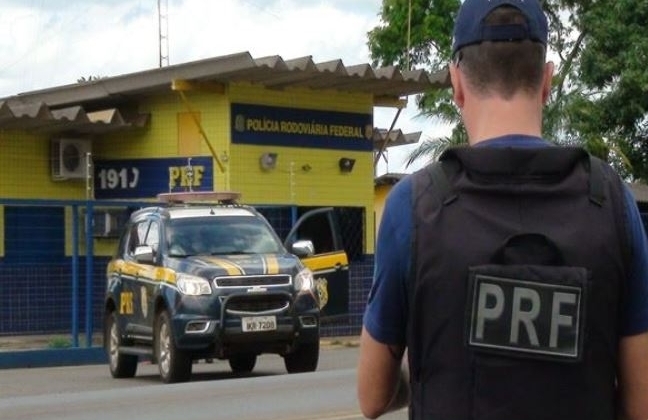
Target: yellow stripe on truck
{"type": "Point", "coordinates": [326, 261]}
{"type": "Point", "coordinates": [143, 272]}
{"type": "Point", "coordinates": [272, 265]}
{"type": "Point", "coordinates": [231, 268]}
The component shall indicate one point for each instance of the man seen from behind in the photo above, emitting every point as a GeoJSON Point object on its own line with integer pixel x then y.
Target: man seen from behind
{"type": "Point", "coordinates": [514, 272]}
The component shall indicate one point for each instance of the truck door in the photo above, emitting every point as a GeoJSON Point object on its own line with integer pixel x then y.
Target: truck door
{"type": "Point", "coordinates": [138, 279]}
{"type": "Point", "coordinates": [124, 275]}
{"type": "Point", "coordinates": [329, 263]}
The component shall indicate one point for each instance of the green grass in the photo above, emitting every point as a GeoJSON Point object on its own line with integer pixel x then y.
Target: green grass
{"type": "Point", "coordinates": [59, 343]}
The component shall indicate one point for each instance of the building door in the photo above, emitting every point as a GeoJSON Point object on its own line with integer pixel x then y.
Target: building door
{"type": "Point", "coordinates": [329, 263]}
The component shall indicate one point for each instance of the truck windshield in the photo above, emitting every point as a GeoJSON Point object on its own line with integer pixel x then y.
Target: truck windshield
{"type": "Point", "coordinates": [221, 235]}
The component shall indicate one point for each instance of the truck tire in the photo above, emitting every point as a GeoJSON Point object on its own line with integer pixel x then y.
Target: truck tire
{"type": "Point", "coordinates": [121, 365]}
{"type": "Point", "coordinates": [303, 359]}
{"type": "Point", "coordinates": [174, 365]}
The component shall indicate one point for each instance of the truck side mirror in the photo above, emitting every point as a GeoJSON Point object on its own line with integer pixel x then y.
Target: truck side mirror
{"type": "Point", "coordinates": [144, 254]}
{"type": "Point", "coordinates": [303, 248]}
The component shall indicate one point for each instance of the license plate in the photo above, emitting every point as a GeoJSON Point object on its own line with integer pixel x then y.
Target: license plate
{"type": "Point", "coordinates": [258, 323]}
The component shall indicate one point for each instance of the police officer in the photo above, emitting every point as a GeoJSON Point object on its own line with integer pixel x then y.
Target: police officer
{"type": "Point", "coordinates": [513, 272]}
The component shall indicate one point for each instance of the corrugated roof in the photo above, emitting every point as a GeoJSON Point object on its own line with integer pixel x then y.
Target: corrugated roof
{"type": "Point", "coordinates": [384, 138]}
{"type": "Point", "coordinates": [272, 72]}
{"type": "Point", "coordinates": [39, 117]}
{"type": "Point", "coordinates": [65, 105]}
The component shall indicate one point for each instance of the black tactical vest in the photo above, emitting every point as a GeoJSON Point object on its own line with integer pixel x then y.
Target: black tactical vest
{"type": "Point", "coordinates": [518, 262]}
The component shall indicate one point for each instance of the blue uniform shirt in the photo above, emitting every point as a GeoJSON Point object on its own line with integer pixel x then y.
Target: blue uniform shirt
{"type": "Point", "coordinates": [387, 309]}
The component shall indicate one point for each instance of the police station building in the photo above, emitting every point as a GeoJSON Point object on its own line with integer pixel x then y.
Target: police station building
{"type": "Point", "coordinates": [296, 138]}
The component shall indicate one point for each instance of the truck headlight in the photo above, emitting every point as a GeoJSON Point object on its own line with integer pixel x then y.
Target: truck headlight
{"type": "Point", "coordinates": [192, 285]}
{"type": "Point", "coordinates": [304, 280]}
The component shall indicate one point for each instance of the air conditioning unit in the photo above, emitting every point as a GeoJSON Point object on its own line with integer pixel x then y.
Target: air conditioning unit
{"type": "Point", "coordinates": [68, 158]}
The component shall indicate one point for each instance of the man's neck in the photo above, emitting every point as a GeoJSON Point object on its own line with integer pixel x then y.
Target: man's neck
{"type": "Point", "coordinates": [495, 117]}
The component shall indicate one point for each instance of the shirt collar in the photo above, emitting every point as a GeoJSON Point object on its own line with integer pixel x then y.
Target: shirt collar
{"type": "Point", "coordinates": [515, 140]}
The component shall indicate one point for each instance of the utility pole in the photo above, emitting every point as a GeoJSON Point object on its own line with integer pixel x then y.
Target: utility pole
{"type": "Point", "coordinates": [163, 31]}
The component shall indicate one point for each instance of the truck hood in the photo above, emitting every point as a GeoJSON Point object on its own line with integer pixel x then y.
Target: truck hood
{"type": "Point", "coordinates": [237, 265]}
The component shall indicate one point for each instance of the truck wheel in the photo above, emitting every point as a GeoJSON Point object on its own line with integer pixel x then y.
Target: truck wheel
{"type": "Point", "coordinates": [303, 359]}
{"type": "Point", "coordinates": [121, 365]}
{"type": "Point", "coordinates": [174, 364]}
{"type": "Point", "coordinates": [242, 363]}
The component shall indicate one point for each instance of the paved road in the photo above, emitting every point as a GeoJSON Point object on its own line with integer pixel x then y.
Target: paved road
{"type": "Point", "coordinates": [83, 392]}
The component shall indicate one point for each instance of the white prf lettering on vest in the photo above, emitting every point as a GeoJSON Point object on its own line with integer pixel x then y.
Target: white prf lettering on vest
{"type": "Point", "coordinates": [558, 319]}
{"type": "Point", "coordinates": [525, 308]}
{"type": "Point", "coordinates": [516, 317]}
{"type": "Point", "coordinates": [485, 313]}
{"type": "Point", "coordinates": [527, 318]}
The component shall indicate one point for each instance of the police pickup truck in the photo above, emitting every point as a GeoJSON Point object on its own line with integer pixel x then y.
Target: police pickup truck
{"type": "Point", "coordinates": [207, 280]}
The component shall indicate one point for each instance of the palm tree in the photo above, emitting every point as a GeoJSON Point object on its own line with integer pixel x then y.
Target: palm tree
{"type": "Point", "coordinates": [432, 148]}
{"type": "Point", "coordinates": [439, 105]}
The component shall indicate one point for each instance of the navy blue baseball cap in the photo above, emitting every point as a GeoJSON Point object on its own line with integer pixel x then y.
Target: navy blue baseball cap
{"type": "Point", "coordinates": [470, 28]}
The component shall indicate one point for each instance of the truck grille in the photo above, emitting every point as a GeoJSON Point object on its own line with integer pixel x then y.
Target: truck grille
{"type": "Point", "coordinates": [251, 281]}
{"type": "Point", "coordinates": [257, 304]}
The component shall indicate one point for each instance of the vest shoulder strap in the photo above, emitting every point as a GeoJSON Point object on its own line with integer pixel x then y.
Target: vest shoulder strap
{"type": "Point", "coordinates": [432, 185]}
{"type": "Point", "coordinates": [433, 182]}
{"type": "Point", "coordinates": [603, 177]}
{"type": "Point", "coordinates": [596, 181]}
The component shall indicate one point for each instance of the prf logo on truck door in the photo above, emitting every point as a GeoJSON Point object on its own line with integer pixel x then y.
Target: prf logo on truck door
{"type": "Point", "coordinates": [524, 318]}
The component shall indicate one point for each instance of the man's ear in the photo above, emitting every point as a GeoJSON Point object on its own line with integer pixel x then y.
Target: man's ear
{"type": "Point", "coordinates": [547, 81]}
{"type": "Point", "coordinates": [456, 79]}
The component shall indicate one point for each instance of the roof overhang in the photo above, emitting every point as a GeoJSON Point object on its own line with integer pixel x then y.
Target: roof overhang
{"type": "Point", "coordinates": [40, 118]}
{"type": "Point", "coordinates": [69, 106]}
{"type": "Point", "coordinates": [384, 138]}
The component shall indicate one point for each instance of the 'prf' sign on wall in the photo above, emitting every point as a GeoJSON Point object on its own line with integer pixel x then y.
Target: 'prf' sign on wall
{"type": "Point", "coordinates": [145, 178]}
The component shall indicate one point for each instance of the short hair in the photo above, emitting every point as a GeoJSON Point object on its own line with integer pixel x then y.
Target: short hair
{"type": "Point", "coordinates": [503, 67]}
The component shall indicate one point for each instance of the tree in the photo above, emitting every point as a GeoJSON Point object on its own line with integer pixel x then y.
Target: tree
{"type": "Point", "coordinates": [429, 26]}
{"type": "Point", "coordinates": [599, 91]}
{"type": "Point", "coordinates": [612, 66]}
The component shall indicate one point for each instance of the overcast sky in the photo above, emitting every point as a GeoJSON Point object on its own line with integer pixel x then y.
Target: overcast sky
{"type": "Point", "coordinates": [46, 43]}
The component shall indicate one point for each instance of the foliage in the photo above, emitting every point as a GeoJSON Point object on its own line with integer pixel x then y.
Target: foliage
{"type": "Point", "coordinates": [431, 22]}
{"type": "Point", "coordinates": [432, 149]}
{"type": "Point", "coordinates": [89, 79]}
{"type": "Point", "coordinates": [599, 91]}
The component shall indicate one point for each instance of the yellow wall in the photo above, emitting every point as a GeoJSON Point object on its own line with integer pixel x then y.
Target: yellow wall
{"type": "Point", "coordinates": [308, 177]}
{"type": "Point", "coordinates": [25, 170]}
{"type": "Point", "coordinates": [161, 138]}
{"type": "Point", "coordinates": [381, 193]}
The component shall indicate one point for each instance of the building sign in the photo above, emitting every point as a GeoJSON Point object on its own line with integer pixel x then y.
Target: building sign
{"type": "Point", "coordinates": [292, 127]}
{"type": "Point", "coordinates": [145, 178]}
